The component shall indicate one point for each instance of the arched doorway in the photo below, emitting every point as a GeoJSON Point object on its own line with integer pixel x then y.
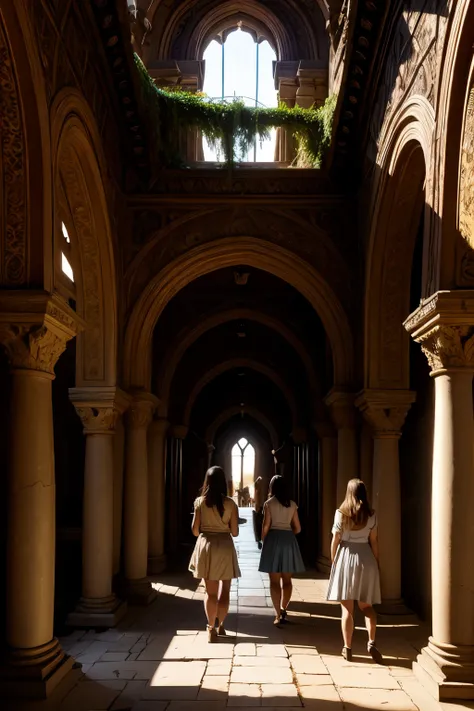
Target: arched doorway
{"type": "Point", "coordinates": [243, 471]}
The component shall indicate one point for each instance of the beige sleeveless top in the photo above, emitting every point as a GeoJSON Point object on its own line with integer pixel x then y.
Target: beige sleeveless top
{"type": "Point", "coordinates": [211, 521]}
{"type": "Point", "coordinates": [281, 515]}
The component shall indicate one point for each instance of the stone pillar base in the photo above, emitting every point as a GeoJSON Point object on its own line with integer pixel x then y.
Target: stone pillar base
{"type": "Point", "coordinates": [323, 564]}
{"type": "Point", "coordinates": [101, 612]}
{"type": "Point", "coordinates": [139, 592]}
{"type": "Point", "coordinates": [157, 565]}
{"type": "Point", "coordinates": [446, 671]}
{"type": "Point", "coordinates": [34, 673]}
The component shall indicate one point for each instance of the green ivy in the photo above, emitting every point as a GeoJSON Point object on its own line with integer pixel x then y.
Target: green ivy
{"type": "Point", "coordinates": [231, 128]}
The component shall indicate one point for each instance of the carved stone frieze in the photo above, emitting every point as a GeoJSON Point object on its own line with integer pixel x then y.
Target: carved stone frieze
{"type": "Point", "coordinates": [35, 348]}
{"type": "Point", "coordinates": [385, 410]}
{"type": "Point", "coordinates": [13, 221]}
{"type": "Point", "coordinates": [243, 182]}
{"type": "Point", "coordinates": [466, 187]}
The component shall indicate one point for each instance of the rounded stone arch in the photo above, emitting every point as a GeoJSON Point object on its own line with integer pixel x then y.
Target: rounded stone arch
{"type": "Point", "coordinates": [251, 364]}
{"type": "Point", "coordinates": [190, 335]}
{"type": "Point", "coordinates": [231, 252]}
{"type": "Point", "coordinates": [399, 203]}
{"type": "Point", "coordinates": [25, 156]}
{"type": "Point", "coordinates": [454, 240]}
{"type": "Point", "coordinates": [252, 412]}
{"type": "Point", "coordinates": [79, 170]}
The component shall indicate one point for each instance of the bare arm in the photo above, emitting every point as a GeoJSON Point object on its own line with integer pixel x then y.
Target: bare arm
{"type": "Point", "coordinates": [267, 521]}
{"type": "Point", "coordinates": [295, 523]}
{"type": "Point", "coordinates": [336, 539]}
{"type": "Point", "coordinates": [374, 543]}
{"type": "Point", "coordinates": [196, 524]}
{"type": "Point", "coordinates": [234, 521]}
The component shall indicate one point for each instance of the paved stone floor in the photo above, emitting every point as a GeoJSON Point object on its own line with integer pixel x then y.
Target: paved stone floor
{"type": "Point", "coordinates": [159, 658]}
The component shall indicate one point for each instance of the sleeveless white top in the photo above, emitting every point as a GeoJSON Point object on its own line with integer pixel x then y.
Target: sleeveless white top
{"type": "Point", "coordinates": [350, 535]}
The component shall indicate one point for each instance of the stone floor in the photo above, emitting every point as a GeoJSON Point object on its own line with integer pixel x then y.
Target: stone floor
{"type": "Point", "coordinates": [159, 658]}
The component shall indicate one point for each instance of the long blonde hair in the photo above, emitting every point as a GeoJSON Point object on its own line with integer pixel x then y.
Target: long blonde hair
{"type": "Point", "coordinates": [356, 508]}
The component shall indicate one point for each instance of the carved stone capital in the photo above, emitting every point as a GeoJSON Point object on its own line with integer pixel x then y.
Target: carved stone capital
{"type": "Point", "coordinates": [444, 327]}
{"type": "Point", "coordinates": [34, 329]}
{"type": "Point", "coordinates": [140, 412]}
{"type": "Point", "coordinates": [99, 408]}
{"type": "Point", "coordinates": [179, 431]}
{"type": "Point", "coordinates": [385, 410]}
{"type": "Point", "coordinates": [341, 407]}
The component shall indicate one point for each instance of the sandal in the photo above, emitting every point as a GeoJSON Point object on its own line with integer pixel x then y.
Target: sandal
{"type": "Point", "coordinates": [374, 653]}
{"type": "Point", "coordinates": [347, 654]}
{"type": "Point", "coordinates": [221, 630]}
{"type": "Point", "coordinates": [211, 634]}
{"type": "Point", "coordinates": [277, 621]}
{"type": "Point", "coordinates": [283, 614]}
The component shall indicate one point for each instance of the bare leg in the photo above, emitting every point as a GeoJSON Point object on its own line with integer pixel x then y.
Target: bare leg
{"type": "Point", "coordinates": [223, 600]}
{"type": "Point", "coordinates": [275, 592]}
{"type": "Point", "coordinates": [210, 601]}
{"type": "Point", "coordinates": [347, 622]}
{"type": "Point", "coordinates": [287, 590]}
{"type": "Point", "coordinates": [370, 619]}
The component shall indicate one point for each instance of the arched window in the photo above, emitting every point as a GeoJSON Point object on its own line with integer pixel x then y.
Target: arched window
{"type": "Point", "coordinates": [65, 281]}
{"type": "Point", "coordinates": [243, 465]}
{"type": "Point", "coordinates": [240, 65]}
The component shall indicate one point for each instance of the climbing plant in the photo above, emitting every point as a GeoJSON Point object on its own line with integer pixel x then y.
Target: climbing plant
{"type": "Point", "coordinates": [231, 128]}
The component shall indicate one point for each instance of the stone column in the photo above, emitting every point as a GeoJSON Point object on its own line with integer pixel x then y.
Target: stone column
{"type": "Point", "coordinates": [178, 435]}
{"type": "Point", "coordinates": [327, 491]}
{"type": "Point", "coordinates": [119, 462]}
{"type": "Point", "coordinates": [444, 326]}
{"type": "Point", "coordinates": [156, 495]}
{"type": "Point", "coordinates": [313, 84]}
{"type": "Point", "coordinates": [98, 409]}
{"type": "Point", "coordinates": [139, 415]}
{"type": "Point", "coordinates": [343, 413]}
{"type": "Point", "coordinates": [34, 329]}
{"type": "Point", "coordinates": [286, 84]}
{"type": "Point", "coordinates": [385, 411]}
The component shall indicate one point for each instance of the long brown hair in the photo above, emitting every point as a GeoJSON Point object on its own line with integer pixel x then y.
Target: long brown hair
{"type": "Point", "coordinates": [214, 489]}
{"type": "Point", "coordinates": [279, 490]}
{"type": "Point", "coordinates": [356, 508]}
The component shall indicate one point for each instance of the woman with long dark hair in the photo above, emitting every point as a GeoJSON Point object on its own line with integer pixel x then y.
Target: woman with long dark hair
{"type": "Point", "coordinates": [281, 555]}
{"type": "Point", "coordinates": [215, 521]}
{"type": "Point", "coordinates": [355, 568]}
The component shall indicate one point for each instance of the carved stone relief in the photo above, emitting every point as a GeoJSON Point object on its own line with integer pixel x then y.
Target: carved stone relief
{"type": "Point", "coordinates": [448, 347]}
{"type": "Point", "coordinates": [13, 225]}
{"type": "Point", "coordinates": [466, 188]}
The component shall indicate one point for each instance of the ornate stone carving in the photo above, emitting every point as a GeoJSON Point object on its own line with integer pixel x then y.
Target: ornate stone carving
{"type": "Point", "coordinates": [448, 347]}
{"type": "Point", "coordinates": [140, 413]}
{"type": "Point", "coordinates": [13, 225]}
{"type": "Point", "coordinates": [466, 188]}
{"type": "Point", "coordinates": [35, 348]}
{"type": "Point", "coordinates": [99, 407]}
{"type": "Point", "coordinates": [97, 420]}
{"type": "Point", "coordinates": [385, 410]}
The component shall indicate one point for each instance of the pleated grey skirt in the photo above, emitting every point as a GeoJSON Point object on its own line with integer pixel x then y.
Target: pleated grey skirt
{"type": "Point", "coordinates": [354, 574]}
{"type": "Point", "coordinates": [281, 553]}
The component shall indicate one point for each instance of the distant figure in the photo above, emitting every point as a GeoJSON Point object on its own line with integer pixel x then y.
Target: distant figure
{"type": "Point", "coordinates": [281, 555]}
{"type": "Point", "coordinates": [259, 497]}
{"type": "Point", "coordinates": [355, 568]}
{"type": "Point", "coordinates": [214, 559]}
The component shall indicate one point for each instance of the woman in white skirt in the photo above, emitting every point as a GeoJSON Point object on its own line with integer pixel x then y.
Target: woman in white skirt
{"type": "Point", "coordinates": [215, 521]}
{"type": "Point", "coordinates": [355, 568]}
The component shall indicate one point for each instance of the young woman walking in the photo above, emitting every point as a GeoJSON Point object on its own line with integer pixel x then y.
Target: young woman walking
{"type": "Point", "coordinates": [280, 556]}
{"type": "Point", "coordinates": [355, 569]}
{"type": "Point", "coordinates": [214, 559]}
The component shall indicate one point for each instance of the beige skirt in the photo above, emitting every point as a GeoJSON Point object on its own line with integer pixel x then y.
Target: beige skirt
{"type": "Point", "coordinates": [214, 557]}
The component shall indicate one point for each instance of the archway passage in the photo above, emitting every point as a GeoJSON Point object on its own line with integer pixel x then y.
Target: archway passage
{"type": "Point", "coordinates": [243, 470]}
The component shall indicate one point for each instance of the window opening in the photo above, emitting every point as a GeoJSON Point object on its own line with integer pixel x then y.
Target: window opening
{"type": "Point", "coordinates": [243, 466]}
{"type": "Point", "coordinates": [66, 267]}
{"type": "Point", "coordinates": [241, 68]}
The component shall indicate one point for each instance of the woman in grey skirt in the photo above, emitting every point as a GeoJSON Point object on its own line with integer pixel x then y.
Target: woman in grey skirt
{"type": "Point", "coordinates": [355, 569]}
{"type": "Point", "coordinates": [281, 555]}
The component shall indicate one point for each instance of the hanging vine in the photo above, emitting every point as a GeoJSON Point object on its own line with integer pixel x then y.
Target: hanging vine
{"type": "Point", "coordinates": [231, 128]}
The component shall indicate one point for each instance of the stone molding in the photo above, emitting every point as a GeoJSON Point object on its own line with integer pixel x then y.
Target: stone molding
{"type": "Point", "coordinates": [341, 407]}
{"type": "Point", "coordinates": [99, 408]}
{"type": "Point", "coordinates": [444, 327]}
{"type": "Point", "coordinates": [35, 328]}
{"type": "Point", "coordinates": [141, 409]}
{"type": "Point", "coordinates": [385, 410]}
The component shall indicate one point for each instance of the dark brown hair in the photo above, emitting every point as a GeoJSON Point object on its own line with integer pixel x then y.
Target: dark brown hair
{"type": "Point", "coordinates": [214, 489]}
{"type": "Point", "coordinates": [279, 490]}
{"type": "Point", "coordinates": [356, 508]}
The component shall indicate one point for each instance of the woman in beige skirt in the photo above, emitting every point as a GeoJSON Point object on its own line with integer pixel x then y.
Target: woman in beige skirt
{"type": "Point", "coordinates": [215, 521]}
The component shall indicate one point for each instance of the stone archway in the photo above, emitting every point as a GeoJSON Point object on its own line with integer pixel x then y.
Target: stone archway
{"type": "Point", "coordinates": [247, 410]}
{"type": "Point", "coordinates": [227, 252]}
{"type": "Point", "coordinates": [78, 180]}
{"type": "Point", "coordinates": [190, 335]}
{"type": "Point", "coordinates": [213, 373]}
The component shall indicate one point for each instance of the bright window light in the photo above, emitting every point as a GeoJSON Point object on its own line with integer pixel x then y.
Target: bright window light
{"type": "Point", "coordinates": [65, 233]}
{"type": "Point", "coordinates": [66, 267]}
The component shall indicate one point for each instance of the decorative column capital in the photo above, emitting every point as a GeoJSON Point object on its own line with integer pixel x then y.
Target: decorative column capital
{"type": "Point", "coordinates": [35, 328]}
{"type": "Point", "coordinates": [99, 408]}
{"type": "Point", "coordinates": [385, 410]}
{"type": "Point", "coordinates": [444, 327]}
{"type": "Point", "coordinates": [341, 407]}
{"type": "Point", "coordinates": [141, 409]}
{"type": "Point", "coordinates": [179, 431]}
